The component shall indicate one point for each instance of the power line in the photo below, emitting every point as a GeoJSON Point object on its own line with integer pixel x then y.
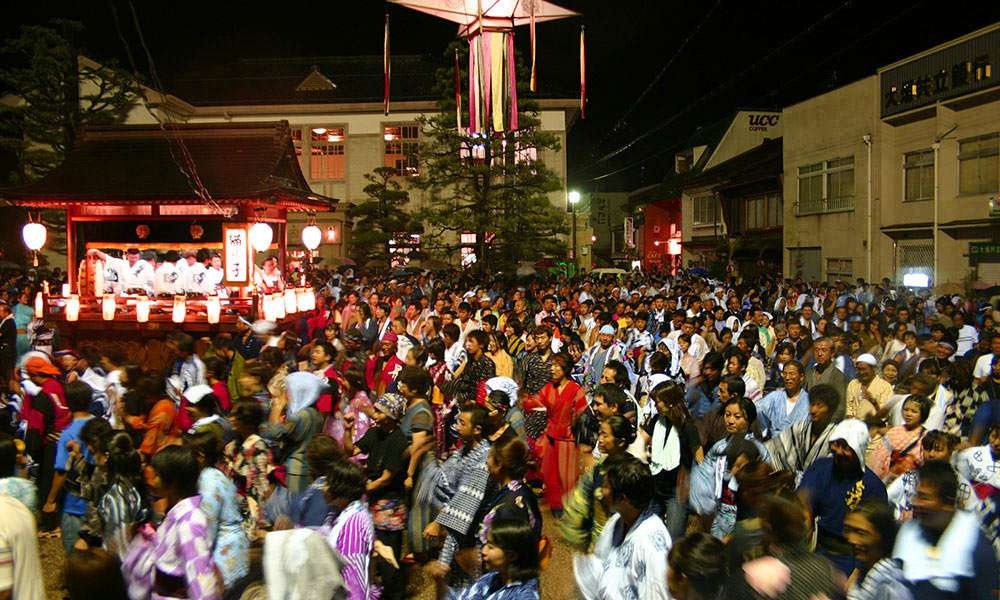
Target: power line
{"type": "Point", "coordinates": [185, 163]}
{"type": "Point", "coordinates": [715, 91]}
{"type": "Point", "coordinates": [621, 120]}
{"type": "Point", "coordinates": [885, 23]}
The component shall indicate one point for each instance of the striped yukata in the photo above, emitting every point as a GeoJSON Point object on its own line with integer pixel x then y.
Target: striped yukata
{"type": "Point", "coordinates": [791, 449]}
{"type": "Point", "coordinates": [352, 534]}
{"type": "Point", "coordinates": [121, 507]}
{"type": "Point", "coordinates": [458, 515]}
{"type": "Point", "coordinates": [180, 549]}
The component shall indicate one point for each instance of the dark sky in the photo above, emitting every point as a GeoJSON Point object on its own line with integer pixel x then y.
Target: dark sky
{"type": "Point", "coordinates": [740, 54]}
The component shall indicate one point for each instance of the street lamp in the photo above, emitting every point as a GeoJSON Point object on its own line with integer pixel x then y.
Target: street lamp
{"type": "Point", "coordinates": [574, 199]}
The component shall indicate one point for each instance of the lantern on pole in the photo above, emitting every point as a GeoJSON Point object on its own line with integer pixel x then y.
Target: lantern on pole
{"type": "Point", "coordinates": [142, 309]}
{"type": "Point", "coordinates": [39, 306]}
{"type": "Point", "coordinates": [279, 306]}
{"type": "Point", "coordinates": [73, 308]}
{"type": "Point", "coordinates": [180, 309]}
{"type": "Point", "coordinates": [34, 235]}
{"type": "Point", "coordinates": [261, 235]}
{"type": "Point", "coordinates": [312, 236]}
{"type": "Point", "coordinates": [108, 307]}
{"type": "Point", "coordinates": [267, 303]}
{"type": "Point", "coordinates": [291, 304]}
{"type": "Point", "coordinates": [213, 309]}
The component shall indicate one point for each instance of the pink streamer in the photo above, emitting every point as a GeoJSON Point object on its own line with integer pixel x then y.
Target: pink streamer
{"type": "Point", "coordinates": [487, 89]}
{"type": "Point", "coordinates": [512, 81]}
{"type": "Point", "coordinates": [473, 105]}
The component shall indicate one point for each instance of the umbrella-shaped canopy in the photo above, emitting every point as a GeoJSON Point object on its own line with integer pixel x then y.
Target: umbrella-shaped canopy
{"type": "Point", "coordinates": [497, 14]}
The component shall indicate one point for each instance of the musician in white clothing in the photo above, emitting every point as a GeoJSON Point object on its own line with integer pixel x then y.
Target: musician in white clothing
{"type": "Point", "coordinates": [212, 283]}
{"type": "Point", "coordinates": [191, 272]}
{"type": "Point", "coordinates": [124, 275]}
{"type": "Point", "coordinates": [268, 280]}
{"type": "Point", "coordinates": [166, 279]}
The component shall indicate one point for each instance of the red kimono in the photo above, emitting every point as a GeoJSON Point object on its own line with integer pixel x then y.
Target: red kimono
{"type": "Point", "coordinates": [559, 452]}
{"type": "Point", "coordinates": [386, 375]}
{"type": "Point", "coordinates": [327, 404]}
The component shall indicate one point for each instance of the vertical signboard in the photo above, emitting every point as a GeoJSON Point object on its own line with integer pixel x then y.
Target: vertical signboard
{"type": "Point", "coordinates": [236, 254]}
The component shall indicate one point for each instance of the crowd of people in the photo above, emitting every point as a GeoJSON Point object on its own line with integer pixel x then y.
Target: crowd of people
{"type": "Point", "coordinates": [686, 437]}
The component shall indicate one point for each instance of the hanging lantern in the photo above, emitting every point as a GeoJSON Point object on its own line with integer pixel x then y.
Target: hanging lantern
{"type": "Point", "coordinates": [310, 298]}
{"type": "Point", "coordinates": [72, 308]}
{"type": "Point", "coordinates": [196, 231]}
{"type": "Point", "coordinates": [142, 231]}
{"type": "Point", "coordinates": [291, 305]}
{"type": "Point", "coordinates": [331, 234]}
{"type": "Point", "coordinates": [267, 303]}
{"type": "Point", "coordinates": [300, 299]}
{"type": "Point", "coordinates": [34, 235]}
{"type": "Point", "coordinates": [213, 309]}
{"type": "Point", "coordinates": [279, 306]}
{"type": "Point", "coordinates": [261, 236]}
{"type": "Point", "coordinates": [180, 309]}
{"type": "Point", "coordinates": [108, 307]}
{"type": "Point", "coordinates": [39, 306]}
{"type": "Point", "coordinates": [142, 309]}
{"type": "Point", "coordinates": [312, 236]}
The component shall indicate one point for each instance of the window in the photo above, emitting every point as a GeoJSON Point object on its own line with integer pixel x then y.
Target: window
{"type": "Point", "coordinates": [826, 186]}
{"type": "Point", "coordinates": [325, 149]}
{"type": "Point", "coordinates": [763, 212]}
{"type": "Point", "coordinates": [839, 268]}
{"type": "Point", "coordinates": [775, 210]}
{"type": "Point", "coordinates": [979, 164]}
{"type": "Point", "coordinates": [402, 143]}
{"type": "Point", "coordinates": [918, 176]}
{"type": "Point", "coordinates": [706, 210]}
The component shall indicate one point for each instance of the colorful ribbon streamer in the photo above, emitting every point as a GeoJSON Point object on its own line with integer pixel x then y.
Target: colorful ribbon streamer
{"type": "Point", "coordinates": [583, 74]}
{"type": "Point", "coordinates": [458, 92]}
{"type": "Point", "coordinates": [533, 84]}
{"type": "Point", "coordinates": [385, 66]}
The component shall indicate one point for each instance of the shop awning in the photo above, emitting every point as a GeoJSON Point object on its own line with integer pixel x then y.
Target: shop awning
{"type": "Point", "coordinates": [908, 231]}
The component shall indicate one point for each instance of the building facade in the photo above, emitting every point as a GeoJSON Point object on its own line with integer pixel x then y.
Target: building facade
{"type": "Point", "coordinates": [747, 195]}
{"type": "Point", "coordinates": [341, 133]}
{"type": "Point", "coordinates": [715, 190]}
{"type": "Point", "coordinates": [896, 175]}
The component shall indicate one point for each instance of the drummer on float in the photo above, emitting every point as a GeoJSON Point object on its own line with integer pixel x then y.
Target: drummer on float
{"type": "Point", "coordinates": [129, 275]}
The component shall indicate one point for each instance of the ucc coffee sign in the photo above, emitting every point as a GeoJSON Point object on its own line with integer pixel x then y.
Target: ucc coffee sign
{"type": "Point", "coordinates": [966, 67]}
{"type": "Point", "coordinates": [762, 121]}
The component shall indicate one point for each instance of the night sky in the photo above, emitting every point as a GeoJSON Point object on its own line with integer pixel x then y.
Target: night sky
{"type": "Point", "coordinates": [741, 54]}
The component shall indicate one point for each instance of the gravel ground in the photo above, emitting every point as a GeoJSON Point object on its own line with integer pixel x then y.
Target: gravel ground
{"type": "Point", "coordinates": [557, 579]}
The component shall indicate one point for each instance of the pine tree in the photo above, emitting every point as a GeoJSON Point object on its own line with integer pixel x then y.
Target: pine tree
{"type": "Point", "coordinates": [380, 219]}
{"type": "Point", "coordinates": [484, 185]}
{"type": "Point", "coordinates": [51, 96]}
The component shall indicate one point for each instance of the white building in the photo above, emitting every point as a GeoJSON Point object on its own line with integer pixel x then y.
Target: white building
{"type": "Point", "coordinates": [334, 105]}
{"type": "Point", "coordinates": [897, 174]}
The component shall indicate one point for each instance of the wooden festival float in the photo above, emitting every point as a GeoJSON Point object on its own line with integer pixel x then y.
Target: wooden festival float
{"type": "Point", "coordinates": [224, 187]}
